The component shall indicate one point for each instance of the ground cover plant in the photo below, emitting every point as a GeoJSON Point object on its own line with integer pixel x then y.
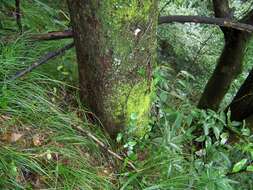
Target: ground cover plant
{"type": "Point", "coordinates": [138, 94]}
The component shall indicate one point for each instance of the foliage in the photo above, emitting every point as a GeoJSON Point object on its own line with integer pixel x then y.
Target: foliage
{"type": "Point", "coordinates": [39, 148]}
{"type": "Point", "coordinates": [182, 147]}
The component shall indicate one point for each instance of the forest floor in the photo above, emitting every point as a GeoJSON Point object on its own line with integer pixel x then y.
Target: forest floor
{"type": "Point", "coordinates": [45, 140]}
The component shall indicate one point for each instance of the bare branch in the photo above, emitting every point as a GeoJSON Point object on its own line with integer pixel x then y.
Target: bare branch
{"type": "Point", "coordinates": [53, 35]}
{"type": "Point", "coordinates": [224, 22]}
{"type": "Point", "coordinates": [102, 145]}
{"type": "Point", "coordinates": [43, 60]}
{"type": "Point", "coordinates": [165, 5]}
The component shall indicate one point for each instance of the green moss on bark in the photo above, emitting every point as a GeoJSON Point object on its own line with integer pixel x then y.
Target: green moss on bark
{"type": "Point", "coordinates": [125, 31]}
{"type": "Point", "coordinates": [131, 31]}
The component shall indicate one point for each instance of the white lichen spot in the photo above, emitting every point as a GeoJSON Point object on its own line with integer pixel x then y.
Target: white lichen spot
{"type": "Point", "coordinates": [137, 31]}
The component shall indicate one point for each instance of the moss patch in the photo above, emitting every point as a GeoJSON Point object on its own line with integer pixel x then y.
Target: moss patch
{"type": "Point", "coordinates": [131, 55]}
{"type": "Point", "coordinates": [130, 36]}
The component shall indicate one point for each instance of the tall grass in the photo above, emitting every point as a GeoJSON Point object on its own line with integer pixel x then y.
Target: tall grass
{"type": "Point", "coordinates": [42, 110]}
{"type": "Point", "coordinates": [35, 106]}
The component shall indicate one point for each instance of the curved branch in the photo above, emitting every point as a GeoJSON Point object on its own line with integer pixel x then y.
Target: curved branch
{"type": "Point", "coordinates": [228, 23]}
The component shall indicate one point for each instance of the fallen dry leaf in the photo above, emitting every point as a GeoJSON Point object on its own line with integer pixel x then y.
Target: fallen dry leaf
{"type": "Point", "coordinates": [15, 137]}
{"type": "Point", "coordinates": [37, 140]}
{"type": "Point", "coordinates": [11, 137]}
{"type": "Point", "coordinates": [4, 118]}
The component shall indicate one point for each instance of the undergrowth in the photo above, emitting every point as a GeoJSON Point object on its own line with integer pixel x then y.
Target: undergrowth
{"type": "Point", "coordinates": [40, 148]}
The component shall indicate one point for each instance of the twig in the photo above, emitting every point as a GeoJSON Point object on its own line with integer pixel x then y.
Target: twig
{"type": "Point", "coordinates": [207, 20]}
{"type": "Point", "coordinates": [18, 15]}
{"type": "Point", "coordinates": [102, 145]}
{"type": "Point", "coordinates": [8, 29]}
{"type": "Point", "coordinates": [43, 60]}
{"type": "Point", "coordinates": [200, 49]}
{"type": "Point", "coordinates": [53, 35]}
{"type": "Point", "coordinates": [163, 8]}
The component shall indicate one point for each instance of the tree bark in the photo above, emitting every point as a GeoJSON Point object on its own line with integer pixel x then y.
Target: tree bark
{"type": "Point", "coordinates": [115, 49]}
{"type": "Point", "coordinates": [230, 62]}
{"type": "Point", "coordinates": [229, 66]}
{"type": "Point", "coordinates": [242, 105]}
{"type": "Point", "coordinates": [18, 16]}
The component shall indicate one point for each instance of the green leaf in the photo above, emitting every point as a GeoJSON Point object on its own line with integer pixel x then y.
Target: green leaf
{"type": "Point", "coordinates": [224, 138]}
{"type": "Point", "coordinates": [13, 169]}
{"type": "Point", "coordinates": [201, 138]}
{"type": "Point", "coordinates": [133, 116]}
{"type": "Point", "coordinates": [250, 168]}
{"type": "Point", "coordinates": [178, 121]}
{"type": "Point", "coordinates": [119, 137]}
{"type": "Point", "coordinates": [60, 67]}
{"type": "Point", "coordinates": [208, 142]}
{"type": "Point", "coordinates": [206, 129]}
{"type": "Point", "coordinates": [245, 132]}
{"type": "Point", "coordinates": [182, 83]}
{"type": "Point", "coordinates": [132, 143]}
{"type": "Point", "coordinates": [189, 120]}
{"type": "Point", "coordinates": [164, 96]}
{"type": "Point", "coordinates": [236, 123]}
{"type": "Point", "coordinates": [216, 132]}
{"type": "Point", "coordinates": [239, 165]}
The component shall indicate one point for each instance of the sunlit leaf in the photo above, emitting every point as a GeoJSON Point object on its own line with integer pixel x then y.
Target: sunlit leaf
{"type": "Point", "coordinates": [239, 165]}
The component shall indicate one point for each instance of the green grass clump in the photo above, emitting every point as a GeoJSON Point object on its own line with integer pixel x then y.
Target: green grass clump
{"type": "Point", "coordinates": [183, 148]}
{"type": "Point", "coordinates": [40, 108]}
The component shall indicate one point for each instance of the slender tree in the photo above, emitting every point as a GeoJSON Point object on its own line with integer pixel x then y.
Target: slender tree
{"type": "Point", "coordinates": [115, 46]}
{"type": "Point", "coordinates": [230, 62]}
{"type": "Point", "coordinates": [18, 15]}
{"type": "Point", "coordinates": [242, 105]}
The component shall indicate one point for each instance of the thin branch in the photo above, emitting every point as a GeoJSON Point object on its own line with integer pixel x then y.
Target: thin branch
{"type": "Point", "coordinates": [224, 22]}
{"type": "Point", "coordinates": [203, 44]}
{"type": "Point", "coordinates": [18, 16]}
{"type": "Point", "coordinates": [163, 8]}
{"type": "Point", "coordinates": [42, 60]}
{"type": "Point", "coordinates": [57, 35]}
{"type": "Point", "coordinates": [103, 146]}
{"type": "Point", "coordinates": [53, 35]}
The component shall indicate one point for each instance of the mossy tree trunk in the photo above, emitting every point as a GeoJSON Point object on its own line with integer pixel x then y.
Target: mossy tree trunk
{"type": "Point", "coordinates": [230, 62]}
{"type": "Point", "coordinates": [116, 48]}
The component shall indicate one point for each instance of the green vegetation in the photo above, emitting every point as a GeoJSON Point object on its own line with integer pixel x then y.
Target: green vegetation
{"type": "Point", "coordinates": [173, 144]}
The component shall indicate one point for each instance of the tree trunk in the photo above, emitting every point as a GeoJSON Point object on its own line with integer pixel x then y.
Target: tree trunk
{"type": "Point", "coordinates": [242, 105]}
{"type": "Point", "coordinates": [230, 62]}
{"type": "Point", "coordinates": [116, 46]}
{"type": "Point", "coordinates": [228, 67]}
